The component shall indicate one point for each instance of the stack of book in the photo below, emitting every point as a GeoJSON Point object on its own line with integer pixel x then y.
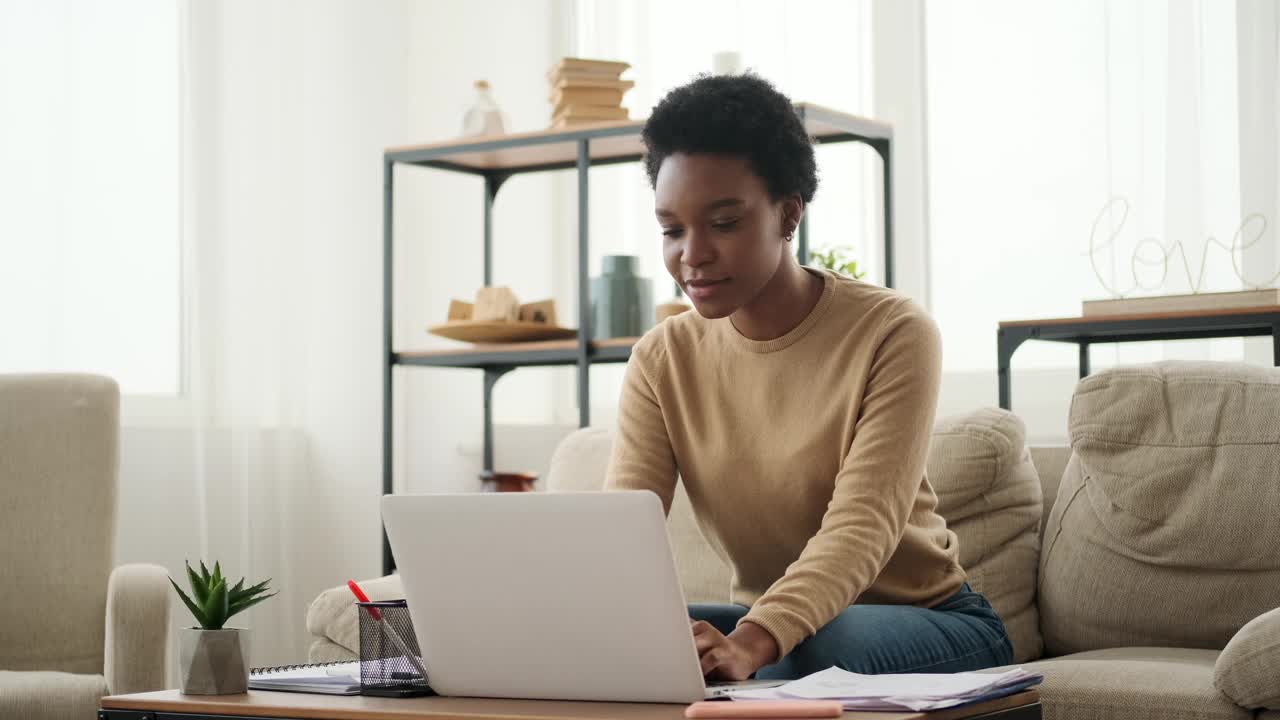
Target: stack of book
{"type": "Point", "coordinates": [587, 91]}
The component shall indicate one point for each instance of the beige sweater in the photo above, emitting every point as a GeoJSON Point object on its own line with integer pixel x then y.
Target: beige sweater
{"type": "Point", "coordinates": [803, 456]}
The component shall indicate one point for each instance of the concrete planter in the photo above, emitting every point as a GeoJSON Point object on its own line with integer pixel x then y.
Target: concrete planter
{"type": "Point", "coordinates": [212, 662]}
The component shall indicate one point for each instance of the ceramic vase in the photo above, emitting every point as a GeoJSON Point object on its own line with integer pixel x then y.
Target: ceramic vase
{"type": "Point", "coordinates": [621, 301]}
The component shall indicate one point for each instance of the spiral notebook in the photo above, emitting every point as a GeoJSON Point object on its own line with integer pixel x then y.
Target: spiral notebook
{"type": "Point", "coordinates": [336, 678]}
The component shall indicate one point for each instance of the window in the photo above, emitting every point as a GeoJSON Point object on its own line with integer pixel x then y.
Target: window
{"type": "Point", "coordinates": [89, 190]}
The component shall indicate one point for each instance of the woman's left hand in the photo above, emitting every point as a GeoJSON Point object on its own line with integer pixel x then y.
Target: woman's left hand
{"type": "Point", "coordinates": [735, 656]}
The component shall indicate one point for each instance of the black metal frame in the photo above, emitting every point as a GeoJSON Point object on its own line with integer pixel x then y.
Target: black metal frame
{"type": "Point", "coordinates": [1025, 712]}
{"type": "Point", "coordinates": [495, 365]}
{"type": "Point", "coordinates": [1085, 333]}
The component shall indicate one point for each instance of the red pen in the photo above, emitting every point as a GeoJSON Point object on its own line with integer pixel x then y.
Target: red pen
{"type": "Point", "coordinates": [355, 590]}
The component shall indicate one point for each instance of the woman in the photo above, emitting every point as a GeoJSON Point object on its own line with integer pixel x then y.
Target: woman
{"type": "Point", "coordinates": [796, 404]}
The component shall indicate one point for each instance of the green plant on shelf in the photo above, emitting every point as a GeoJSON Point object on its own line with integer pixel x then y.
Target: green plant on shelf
{"type": "Point", "coordinates": [211, 602]}
{"type": "Point", "coordinates": [839, 258]}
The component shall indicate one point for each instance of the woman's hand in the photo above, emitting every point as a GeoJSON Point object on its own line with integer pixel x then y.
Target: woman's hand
{"type": "Point", "coordinates": [736, 656]}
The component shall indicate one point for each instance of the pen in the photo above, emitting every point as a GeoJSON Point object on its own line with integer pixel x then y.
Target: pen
{"type": "Point", "coordinates": [376, 614]}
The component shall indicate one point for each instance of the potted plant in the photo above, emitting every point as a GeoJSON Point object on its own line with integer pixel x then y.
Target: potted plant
{"type": "Point", "coordinates": [212, 658]}
{"type": "Point", "coordinates": [837, 258]}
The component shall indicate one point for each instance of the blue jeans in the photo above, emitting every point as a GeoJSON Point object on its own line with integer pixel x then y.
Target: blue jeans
{"type": "Point", "coordinates": [962, 633]}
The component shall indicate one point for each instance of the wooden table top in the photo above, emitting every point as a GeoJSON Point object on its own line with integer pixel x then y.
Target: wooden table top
{"type": "Point", "coordinates": [267, 704]}
{"type": "Point", "coordinates": [1101, 318]}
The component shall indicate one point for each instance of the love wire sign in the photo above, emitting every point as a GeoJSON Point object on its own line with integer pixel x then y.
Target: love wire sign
{"type": "Point", "coordinates": [1151, 253]}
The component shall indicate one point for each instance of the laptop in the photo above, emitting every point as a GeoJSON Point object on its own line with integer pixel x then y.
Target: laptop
{"type": "Point", "coordinates": [555, 596]}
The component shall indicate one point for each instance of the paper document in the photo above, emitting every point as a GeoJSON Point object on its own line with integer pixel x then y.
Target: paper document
{"type": "Point", "coordinates": [913, 691]}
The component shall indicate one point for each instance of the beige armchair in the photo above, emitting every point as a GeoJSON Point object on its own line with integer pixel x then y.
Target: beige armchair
{"type": "Point", "coordinates": [71, 628]}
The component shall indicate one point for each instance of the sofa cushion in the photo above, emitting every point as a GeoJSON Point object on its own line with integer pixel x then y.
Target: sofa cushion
{"type": "Point", "coordinates": [1248, 670]}
{"type": "Point", "coordinates": [324, 650]}
{"type": "Point", "coordinates": [1051, 462]}
{"type": "Point", "coordinates": [989, 494]}
{"type": "Point", "coordinates": [50, 695]}
{"type": "Point", "coordinates": [1138, 683]}
{"type": "Point", "coordinates": [579, 464]}
{"type": "Point", "coordinates": [332, 614]}
{"type": "Point", "coordinates": [1163, 532]}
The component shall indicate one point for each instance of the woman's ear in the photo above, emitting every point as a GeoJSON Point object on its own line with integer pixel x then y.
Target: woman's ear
{"type": "Point", "coordinates": [792, 213]}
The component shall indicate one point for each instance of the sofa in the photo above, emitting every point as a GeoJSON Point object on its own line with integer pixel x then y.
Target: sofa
{"type": "Point", "coordinates": [72, 628]}
{"type": "Point", "coordinates": [1138, 568]}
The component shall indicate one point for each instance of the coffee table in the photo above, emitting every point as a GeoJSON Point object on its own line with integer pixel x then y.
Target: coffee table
{"type": "Point", "coordinates": [172, 705]}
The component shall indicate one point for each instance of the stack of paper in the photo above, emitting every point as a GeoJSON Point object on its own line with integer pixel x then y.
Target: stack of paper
{"type": "Point", "coordinates": [916, 692]}
{"type": "Point", "coordinates": [330, 679]}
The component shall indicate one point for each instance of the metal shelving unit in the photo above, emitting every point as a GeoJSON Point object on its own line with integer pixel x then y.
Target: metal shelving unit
{"type": "Point", "coordinates": [497, 159]}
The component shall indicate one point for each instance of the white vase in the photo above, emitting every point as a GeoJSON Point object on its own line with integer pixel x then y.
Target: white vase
{"type": "Point", "coordinates": [726, 63]}
{"type": "Point", "coordinates": [212, 662]}
{"type": "Point", "coordinates": [483, 117]}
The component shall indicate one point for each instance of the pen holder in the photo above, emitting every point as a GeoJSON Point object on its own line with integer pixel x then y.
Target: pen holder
{"type": "Point", "coordinates": [391, 663]}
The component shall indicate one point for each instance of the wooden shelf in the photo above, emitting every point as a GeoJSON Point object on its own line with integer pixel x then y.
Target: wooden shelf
{"type": "Point", "coordinates": [610, 142]}
{"type": "Point", "coordinates": [525, 354]}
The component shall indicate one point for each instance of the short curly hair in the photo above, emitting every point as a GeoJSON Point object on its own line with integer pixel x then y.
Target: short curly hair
{"type": "Point", "coordinates": [741, 115]}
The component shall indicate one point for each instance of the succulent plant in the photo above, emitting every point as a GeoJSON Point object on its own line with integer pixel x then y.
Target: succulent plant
{"type": "Point", "coordinates": [211, 602]}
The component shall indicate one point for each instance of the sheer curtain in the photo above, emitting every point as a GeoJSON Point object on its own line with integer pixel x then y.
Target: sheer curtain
{"type": "Point", "coordinates": [268, 461]}
{"type": "Point", "coordinates": [1124, 112]}
{"type": "Point", "coordinates": [258, 443]}
{"type": "Point", "coordinates": [1156, 119]}
{"type": "Point", "coordinates": [289, 106]}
